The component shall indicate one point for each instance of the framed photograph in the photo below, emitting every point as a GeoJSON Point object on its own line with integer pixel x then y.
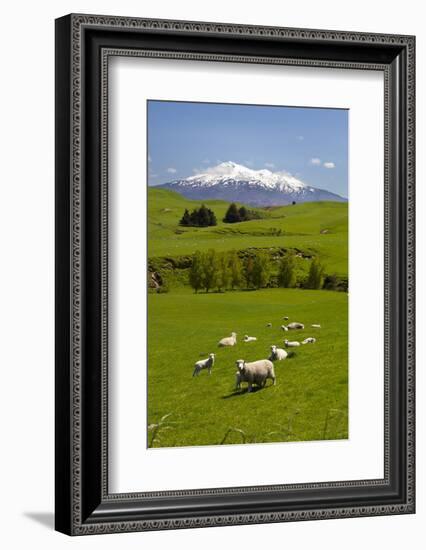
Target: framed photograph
{"type": "Point", "coordinates": [234, 274]}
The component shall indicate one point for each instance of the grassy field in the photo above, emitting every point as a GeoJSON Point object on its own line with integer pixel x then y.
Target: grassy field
{"type": "Point", "coordinates": [310, 399]}
{"type": "Point", "coordinates": [314, 228]}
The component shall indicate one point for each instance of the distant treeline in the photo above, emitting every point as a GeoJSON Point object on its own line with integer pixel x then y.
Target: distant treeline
{"type": "Point", "coordinates": [212, 270]}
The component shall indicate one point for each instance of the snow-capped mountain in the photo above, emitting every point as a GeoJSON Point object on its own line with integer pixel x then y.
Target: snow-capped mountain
{"type": "Point", "coordinates": [233, 182]}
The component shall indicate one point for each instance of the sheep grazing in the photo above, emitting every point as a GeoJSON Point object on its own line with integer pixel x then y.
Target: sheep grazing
{"type": "Point", "coordinates": [285, 318]}
{"type": "Point", "coordinates": [277, 354]}
{"type": "Point", "coordinates": [204, 364]}
{"type": "Point", "coordinates": [250, 338]}
{"type": "Point", "coordinates": [256, 372]}
{"type": "Point", "coordinates": [284, 328]}
{"type": "Point", "coordinates": [295, 326]}
{"type": "Point", "coordinates": [309, 340]}
{"type": "Point", "coordinates": [291, 344]}
{"type": "Point", "coordinates": [316, 326]}
{"type": "Point", "coordinates": [229, 341]}
{"type": "Point", "coordinates": [269, 325]}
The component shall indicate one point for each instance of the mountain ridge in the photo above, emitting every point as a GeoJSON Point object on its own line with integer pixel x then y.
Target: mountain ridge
{"type": "Point", "coordinates": [235, 182]}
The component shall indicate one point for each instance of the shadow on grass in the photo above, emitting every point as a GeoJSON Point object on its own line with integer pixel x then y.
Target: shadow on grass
{"type": "Point", "coordinates": [243, 391]}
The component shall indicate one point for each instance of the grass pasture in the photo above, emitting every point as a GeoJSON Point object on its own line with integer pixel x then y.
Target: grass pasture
{"type": "Point", "coordinates": [319, 228]}
{"type": "Point", "coordinates": [310, 400]}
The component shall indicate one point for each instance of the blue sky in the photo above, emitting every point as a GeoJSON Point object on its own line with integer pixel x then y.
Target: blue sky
{"type": "Point", "coordinates": [310, 143]}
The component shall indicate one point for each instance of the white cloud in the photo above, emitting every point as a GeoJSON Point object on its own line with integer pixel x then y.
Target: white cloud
{"type": "Point", "coordinates": [171, 170]}
{"type": "Point", "coordinates": [269, 165]}
{"type": "Point", "coordinates": [315, 161]}
{"type": "Point", "coordinates": [329, 165]}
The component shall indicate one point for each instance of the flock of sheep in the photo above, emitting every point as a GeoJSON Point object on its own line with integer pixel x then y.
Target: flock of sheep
{"type": "Point", "coordinates": [256, 372]}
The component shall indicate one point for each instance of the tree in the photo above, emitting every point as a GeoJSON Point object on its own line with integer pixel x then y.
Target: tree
{"type": "Point", "coordinates": [186, 218]}
{"type": "Point", "coordinates": [248, 272]}
{"type": "Point", "coordinates": [193, 218]}
{"type": "Point", "coordinates": [293, 203]}
{"type": "Point", "coordinates": [224, 272]}
{"type": "Point", "coordinates": [210, 269]}
{"type": "Point", "coordinates": [199, 217]}
{"type": "Point", "coordinates": [243, 213]}
{"type": "Point", "coordinates": [316, 275]}
{"type": "Point", "coordinates": [232, 214]}
{"type": "Point", "coordinates": [203, 216]}
{"type": "Point", "coordinates": [196, 272]}
{"type": "Point", "coordinates": [261, 270]}
{"type": "Point", "coordinates": [287, 271]}
{"type": "Point", "coordinates": [235, 269]}
{"type": "Point", "coordinates": [212, 217]}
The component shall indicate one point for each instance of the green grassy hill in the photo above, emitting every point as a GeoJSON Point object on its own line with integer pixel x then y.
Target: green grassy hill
{"type": "Point", "coordinates": [319, 228]}
{"type": "Point", "coordinates": [310, 399]}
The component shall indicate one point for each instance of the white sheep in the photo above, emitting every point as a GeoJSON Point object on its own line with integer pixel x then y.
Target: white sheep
{"type": "Point", "coordinates": [309, 340]}
{"type": "Point", "coordinates": [277, 354]}
{"type": "Point", "coordinates": [204, 364]}
{"type": "Point", "coordinates": [250, 338]}
{"type": "Point", "coordinates": [229, 341]}
{"type": "Point", "coordinates": [269, 325]}
{"type": "Point", "coordinates": [256, 372]}
{"type": "Point", "coordinates": [316, 326]}
{"type": "Point", "coordinates": [285, 318]}
{"type": "Point", "coordinates": [291, 344]}
{"type": "Point", "coordinates": [295, 326]}
{"type": "Point", "coordinates": [284, 328]}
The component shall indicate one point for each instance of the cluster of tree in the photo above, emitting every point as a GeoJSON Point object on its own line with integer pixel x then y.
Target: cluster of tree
{"type": "Point", "coordinates": [221, 271]}
{"type": "Point", "coordinates": [315, 278]}
{"type": "Point", "coordinates": [257, 270]}
{"type": "Point", "coordinates": [215, 270]}
{"type": "Point", "coordinates": [287, 273]}
{"type": "Point", "coordinates": [242, 214]}
{"type": "Point", "coordinates": [199, 217]}
{"type": "Point", "coordinates": [224, 270]}
{"type": "Point", "coordinates": [334, 282]}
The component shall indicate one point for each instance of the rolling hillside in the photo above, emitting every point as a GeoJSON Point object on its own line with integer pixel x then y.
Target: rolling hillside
{"type": "Point", "coordinates": [317, 228]}
{"type": "Point", "coordinates": [310, 399]}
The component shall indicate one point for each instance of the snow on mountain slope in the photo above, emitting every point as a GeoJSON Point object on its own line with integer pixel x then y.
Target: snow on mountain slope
{"type": "Point", "coordinates": [234, 182]}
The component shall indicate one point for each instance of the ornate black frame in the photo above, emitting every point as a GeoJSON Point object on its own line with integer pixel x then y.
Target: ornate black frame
{"type": "Point", "coordinates": [83, 45]}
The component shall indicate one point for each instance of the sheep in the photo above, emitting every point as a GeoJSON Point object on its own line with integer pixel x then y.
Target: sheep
{"type": "Point", "coordinates": [284, 328]}
{"type": "Point", "coordinates": [250, 338]}
{"type": "Point", "coordinates": [291, 344]}
{"type": "Point", "coordinates": [229, 341]}
{"type": "Point", "coordinates": [277, 354]}
{"type": "Point", "coordinates": [285, 318]}
{"type": "Point", "coordinates": [203, 364]}
{"type": "Point", "coordinates": [309, 340]}
{"type": "Point", "coordinates": [316, 326]}
{"type": "Point", "coordinates": [295, 326]}
{"type": "Point", "coordinates": [256, 372]}
{"type": "Point", "coordinates": [269, 325]}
